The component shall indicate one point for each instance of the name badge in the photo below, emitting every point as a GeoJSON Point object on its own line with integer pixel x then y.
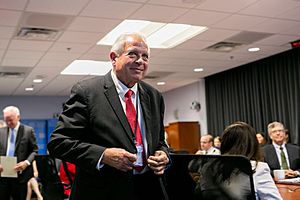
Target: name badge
{"type": "Point", "coordinates": [139, 159]}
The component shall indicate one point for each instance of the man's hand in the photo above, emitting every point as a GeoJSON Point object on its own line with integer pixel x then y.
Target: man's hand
{"type": "Point", "coordinates": [119, 159]}
{"type": "Point", "coordinates": [291, 174]}
{"type": "Point", "coordinates": [21, 166]}
{"type": "Point", "coordinates": [1, 168]}
{"type": "Point", "coordinates": [158, 162]}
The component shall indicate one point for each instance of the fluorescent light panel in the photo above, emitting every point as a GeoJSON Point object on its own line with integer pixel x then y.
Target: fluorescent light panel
{"type": "Point", "coordinates": [87, 67]}
{"type": "Point", "coordinates": [159, 35]}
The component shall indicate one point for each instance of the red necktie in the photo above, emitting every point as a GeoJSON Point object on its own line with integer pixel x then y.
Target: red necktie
{"type": "Point", "coordinates": [135, 127]}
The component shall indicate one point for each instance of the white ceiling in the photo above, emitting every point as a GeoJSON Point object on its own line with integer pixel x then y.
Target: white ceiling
{"type": "Point", "coordinates": [81, 23]}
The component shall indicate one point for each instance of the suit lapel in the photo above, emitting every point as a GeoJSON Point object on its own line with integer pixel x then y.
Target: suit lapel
{"type": "Point", "coordinates": [146, 107]}
{"type": "Point", "coordinates": [3, 139]}
{"type": "Point", "coordinates": [19, 136]}
{"type": "Point", "coordinates": [113, 98]}
{"type": "Point", "coordinates": [274, 155]}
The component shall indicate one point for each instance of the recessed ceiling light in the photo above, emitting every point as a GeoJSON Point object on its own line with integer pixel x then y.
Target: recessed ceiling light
{"type": "Point", "coordinates": [198, 70]}
{"type": "Point", "coordinates": [38, 80]}
{"type": "Point", "coordinates": [29, 89]}
{"type": "Point", "coordinates": [159, 35]}
{"type": "Point", "coordinates": [253, 49]}
{"type": "Point", "coordinates": [161, 83]}
{"type": "Point", "coordinates": [87, 67]}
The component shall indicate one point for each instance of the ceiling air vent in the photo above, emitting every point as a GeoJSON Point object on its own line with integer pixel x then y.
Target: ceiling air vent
{"type": "Point", "coordinates": [12, 74]}
{"type": "Point", "coordinates": [36, 33]}
{"type": "Point", "coordinates": [223, 47]}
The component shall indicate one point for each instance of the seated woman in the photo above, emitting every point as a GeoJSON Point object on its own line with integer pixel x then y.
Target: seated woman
{"type": "Point", "coordinates": [261, 138]}
{"type": "Point", "coordinates": [239, 138]}
{"type": "Point", "coordinates": [33, 184]}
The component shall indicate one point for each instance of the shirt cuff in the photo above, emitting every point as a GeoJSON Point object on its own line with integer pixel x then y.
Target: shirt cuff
{"type": "Point", "coordinates": [99, 164]}
{"type": "Point", "coordinates": [28, 163]}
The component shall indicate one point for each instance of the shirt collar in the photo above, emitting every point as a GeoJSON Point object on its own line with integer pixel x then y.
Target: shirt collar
{"type": "Point", "coordinates": [278, 146]}
{"type": "Point", "coordinates": [17, 127]}
{"type": "Point", "coordinates": [121, 88]}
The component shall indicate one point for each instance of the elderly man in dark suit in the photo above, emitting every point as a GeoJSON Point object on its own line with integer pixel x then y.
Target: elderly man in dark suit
{"type": "Point", "coordinates": [112, 129]}
{"type": "Point", "coordinates": [279, 154]}
{"type": "Point", "coordinates": [16, 140]}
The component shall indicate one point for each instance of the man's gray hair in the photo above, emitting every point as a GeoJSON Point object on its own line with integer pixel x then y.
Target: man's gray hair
{"type": "Point", "coordinates": [119, 45]}
{"type": "Point", "coordinates": [12, 109]}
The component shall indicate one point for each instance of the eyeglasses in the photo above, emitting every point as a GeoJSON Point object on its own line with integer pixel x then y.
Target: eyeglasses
{"type": "Point", "coordinates": [136, 56]}
{"type": "Point", "coordinates": [275, 131]}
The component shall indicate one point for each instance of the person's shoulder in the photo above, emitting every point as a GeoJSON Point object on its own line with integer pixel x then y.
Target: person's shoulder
{"type": "Point", "coordinates": [91, 81]}
{"type": "Point", "coordinates": [260, 167]}
{"type": "Point", "coordinates": [267, 146]}
{"type": "Point", "coordinates": [292, 146]}
{"type": "Point", "coordinates": [26, 127]}
{"type": "Point", "coordinates": [148, 88]}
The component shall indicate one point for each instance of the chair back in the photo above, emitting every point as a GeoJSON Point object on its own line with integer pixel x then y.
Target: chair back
{"type": "Point", "coordinates": [209, 177]}
{"type": "Point", "coordinates": [52, 188]}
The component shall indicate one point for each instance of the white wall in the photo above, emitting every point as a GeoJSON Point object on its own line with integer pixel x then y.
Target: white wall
{"type": "Point", "coordinates": [34, 107]}
{"type": "Point", "coordinates": [178, 104]}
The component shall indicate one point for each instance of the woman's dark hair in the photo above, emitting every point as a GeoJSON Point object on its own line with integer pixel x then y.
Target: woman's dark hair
{"type": "Point", "coordinates": [239, 138]}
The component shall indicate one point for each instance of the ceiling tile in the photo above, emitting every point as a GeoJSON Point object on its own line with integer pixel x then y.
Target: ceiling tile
{"type": "Point", "coordinates": [61, 56]}
{"type": "Point", "coordinates": [292, 14]}
{"type": "Point", "coordinates": [65, 7]}
{"type": "Point", "coordinates": [13, 84]}
{"type": "Point", "coordinates": [89, 24]}
{"type": "Point", "coordinates": [19, 62]}
{"type": "Point", "coordinates": [80, 37]}
{"type": "Point", "coordinates": [162, 13]}
{"type": "Point", "coordinates": [57, 64]}
{"type": "Point", "coordinates": [239, 22]}
{"type": "Point", "coordinates": [6, 32]}
{"type": "Point", "coordinates": [13, 5]}
{"type": "Point", "coordinates": [3, 43]}
{"type": "Point", "coordinates": [202, 18]}
{"type": "Point", "coordinates": [194, 45]}
{"type": "Point", "coordinates": [231, 6]}
{"type": "Point", "coordinates": [275, 25]}
{"type": "Point", "coordinates": [30, 45]}
{"type": "Point", "coordinates": [35, 55]}
{"type": "Point", "coordinates": [278, 40]}
{"type": "Point", "coordinates": [213, 34]}
{"type": "Point", "coordinates": [65, 47]}
{"type": "Point", "coordinates": [105, 8]}
{"type": "Point", "coordinates": [269, 8]}
{"type": "Point", "coordinates": [176, 3]}
{"type": "Point", "coordinates": [9, 18]}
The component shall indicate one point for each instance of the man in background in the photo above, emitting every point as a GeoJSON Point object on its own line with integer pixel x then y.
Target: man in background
{"type": "Point", "coordinates": [279, 154]}
{"type": "Point", "coordinates": [16, 140]}
{"type": "Point", "coordinates": [207, 148]}
{"type": "Point", "coordinates": [112, 130]}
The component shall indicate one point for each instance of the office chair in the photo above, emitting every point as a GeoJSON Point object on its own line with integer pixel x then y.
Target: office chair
{"type": "Point", "coordinates": [52, 188]}
{"type": "Point", "coordinates": [209, 177]}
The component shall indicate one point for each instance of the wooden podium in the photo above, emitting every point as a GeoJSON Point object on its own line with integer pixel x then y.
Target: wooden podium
{"type": "Point", "coordinates": [183, 136]}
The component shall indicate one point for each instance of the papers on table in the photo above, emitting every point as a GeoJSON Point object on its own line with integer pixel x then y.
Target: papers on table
{"type": "Point", "coordinates": [8, 164]}
{"type": "Point", "coordinates": [290, 180]}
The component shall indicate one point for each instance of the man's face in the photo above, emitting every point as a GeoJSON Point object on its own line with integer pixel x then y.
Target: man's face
{"type": "Point", "coordinates": [132, 65]}
{"type": "Point", "coordinates": [277, 134]}
{"type": "Point", "coordinates": [11, 119]}
{"type": "Point", "coordinates": [205, 143]}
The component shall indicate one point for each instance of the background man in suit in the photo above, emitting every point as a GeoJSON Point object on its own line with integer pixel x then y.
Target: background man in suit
{"type": "Point", "coordinates": [25, 148]}
{"type": "Point", "coordinates": [206, 143]}
{"type": "Point", "coordinates": [94, 133]}
{"type": "Point", "coordinates": [279, 154]}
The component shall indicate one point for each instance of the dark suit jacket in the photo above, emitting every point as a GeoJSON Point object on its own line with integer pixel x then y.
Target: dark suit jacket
{"type": "Point", "coordinates": [93, 119]}
{"type": "Point", "coordinates": [272, 159]}
{"type": "Point", "coordinates": [25, 149]}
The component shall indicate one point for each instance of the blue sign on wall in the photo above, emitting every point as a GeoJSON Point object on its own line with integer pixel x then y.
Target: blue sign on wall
{"type": "Point", "coordinates": [42, 129]}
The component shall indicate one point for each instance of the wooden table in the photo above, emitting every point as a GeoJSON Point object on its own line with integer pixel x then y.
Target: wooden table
{"type": "Point", "coordinates": [289, 191]}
